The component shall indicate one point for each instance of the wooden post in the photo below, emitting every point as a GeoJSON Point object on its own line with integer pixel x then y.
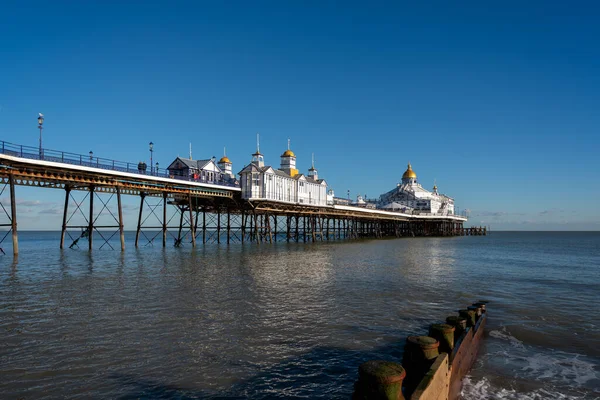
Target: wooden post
{"type": "Point", "coordinates": [164, 224]}
{"type": "Point", "coordinates": [13, 215]}
{"type": "Point", "coordinates": [288, 219]}
{"type": "Point", "coordinates": [139, 224]}
{"type": "Point", "coordinates": [275, 223]}
{"type": "Point", "coordinates": [121, 227]}
{"type": "Point", "coordinates": [297, 228]}
{"type": "Point", "coordinates": [91, 226]}
{"type": "Point", "coordinates": [65, 212]}
{"type": "Point", "coordinates": [192, 231]}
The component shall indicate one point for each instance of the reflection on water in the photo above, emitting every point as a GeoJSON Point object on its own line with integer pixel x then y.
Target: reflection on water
{"type": "Point", "coordinates": [291, 320]}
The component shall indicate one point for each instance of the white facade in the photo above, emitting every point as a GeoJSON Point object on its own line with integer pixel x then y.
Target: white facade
{"type": "Point", "coordinates": [260, 182]}
{"type": "Point", "coordinates": [415, 198]}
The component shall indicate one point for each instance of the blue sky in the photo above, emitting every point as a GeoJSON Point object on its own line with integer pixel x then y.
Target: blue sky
{"type": "Point", "coordinates": [496, 102]}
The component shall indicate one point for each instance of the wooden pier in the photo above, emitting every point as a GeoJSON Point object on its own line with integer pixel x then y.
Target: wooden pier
{"type": "Point", "coordinates": [207, 212]}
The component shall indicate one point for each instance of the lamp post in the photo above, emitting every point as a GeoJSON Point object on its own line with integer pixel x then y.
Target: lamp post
{"type": "Point", "coordinates": [91, 157]}
{"type": "Point", "coordinates": [156, 170]}
{"type": "Point", "coordinates": [40, 122]}
{"type": "Point", "coordinates": [151, 151]}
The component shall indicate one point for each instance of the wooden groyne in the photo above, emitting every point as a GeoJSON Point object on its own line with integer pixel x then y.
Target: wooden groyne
{"type": "Point", "coordinates": [432, 367]}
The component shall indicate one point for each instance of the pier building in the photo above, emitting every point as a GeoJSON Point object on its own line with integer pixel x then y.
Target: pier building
{"type": "Point", "coordinates": [285, 184]}
{"type": "Point", "coordinates": [202, 170]}
{"type": "Point", "coordinates": [410, 197]}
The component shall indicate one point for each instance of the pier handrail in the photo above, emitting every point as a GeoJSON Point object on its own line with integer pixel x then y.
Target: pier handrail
{"type": "Point", "coordinates": [35, 153]}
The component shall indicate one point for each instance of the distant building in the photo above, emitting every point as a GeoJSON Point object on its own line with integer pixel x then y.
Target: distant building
{"type": "Point", "coordinates": [283, 184]}
{"type": "Point", "coordinates": [409, 196]}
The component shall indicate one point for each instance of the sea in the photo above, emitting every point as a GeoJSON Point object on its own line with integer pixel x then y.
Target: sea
{"type": "Point", "coordinates": [293, 320]}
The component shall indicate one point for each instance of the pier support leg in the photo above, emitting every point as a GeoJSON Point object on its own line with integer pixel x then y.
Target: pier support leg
{"type": "Point", "coordinates": [91, 226]}
{"type": "Point", "coordinates": [139, 224]}
{"type": "Point", "coordinates": [228, 225]}
{"type": "Point", "coordinates": [256, 228]}
{"type": "Point", "coordinates": [121, 226]}
{"type": "Point", "coordinates": [219, 226]}
{"type": "Point", "coordinates": [181, 211]}
{"type": "Point", "coordinates": [164, 221]}
{"type": "Point", "coordinates": [192, 221]}
{"type": "Point", "coordinates": [204, 224]}
{"type": "Point", "coordinates": [244, 217]}
{"type": "Point", "coordinates": [13, 215]}
{"type": "Point", "coordinates": [65, 213]}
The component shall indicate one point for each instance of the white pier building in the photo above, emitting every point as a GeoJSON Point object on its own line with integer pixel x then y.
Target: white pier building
{"type": "Point", "coordinates": [410, 197]}
{"type": "Point", "coordinates": [285, 184]}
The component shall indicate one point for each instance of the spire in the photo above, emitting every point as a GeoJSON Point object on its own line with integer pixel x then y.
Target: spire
{"type": "Point", "coordinates": [224, 151]}
{"type": "Point", "coordinates": [313, 171]}
{"type": "Point", "coordinates": [257, 158]}
{"type": "Point", "coordinates": [288, 143]}
{"type": "Point", "coordinates": [190, 150]}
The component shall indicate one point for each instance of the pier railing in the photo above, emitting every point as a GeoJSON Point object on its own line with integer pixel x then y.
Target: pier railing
{"type": "Point", "coordinates": [35, 153]}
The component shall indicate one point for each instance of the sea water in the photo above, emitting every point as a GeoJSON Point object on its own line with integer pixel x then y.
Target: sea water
{"type": "Point", "coordinates": [293, 320]}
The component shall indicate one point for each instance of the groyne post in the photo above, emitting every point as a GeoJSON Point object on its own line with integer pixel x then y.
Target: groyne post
{"type": "Point", "coordinates": [379, 380]}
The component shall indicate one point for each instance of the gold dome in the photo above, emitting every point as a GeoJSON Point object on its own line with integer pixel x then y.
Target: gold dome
{"type": "Point", "coordinates": [288, 153]}
{"type": "Point", "coordinates": [409, 173]}
{"type": "Point", "coordinates": [224, 159]}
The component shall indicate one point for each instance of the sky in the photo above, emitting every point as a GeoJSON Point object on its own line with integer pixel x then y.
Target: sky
{"type": "Point", "coordinates": [497, 102]}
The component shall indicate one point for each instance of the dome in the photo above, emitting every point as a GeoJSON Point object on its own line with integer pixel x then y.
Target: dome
{"type": "Point", "coordinates": [288, 153]}
{"type": "Point", "coordinates": [409, 173]}
{"type": "Point", "coordinates": [224, 159]}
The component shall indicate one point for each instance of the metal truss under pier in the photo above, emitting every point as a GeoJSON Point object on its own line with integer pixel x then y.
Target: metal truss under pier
{"type": "Point", "coordinates": [186, 213]}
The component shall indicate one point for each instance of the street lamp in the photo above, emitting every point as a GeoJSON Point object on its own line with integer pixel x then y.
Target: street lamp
{"type": "Point", "coordinates": [91, 156]}
{"type": "Point", "coordinates": [151, 151]}
{"type": "Point", "coordinates": [40, 122]}
{"type": "Point", "coordinates": [157, 168]}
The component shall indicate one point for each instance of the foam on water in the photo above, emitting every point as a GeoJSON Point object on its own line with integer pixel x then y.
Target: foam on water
{"type": "Point", "coordinates": [484, 389]}
{"type": "Point", "coordinates": [534, 363]}
{"type": "Point", "coordinates": [503, 334]}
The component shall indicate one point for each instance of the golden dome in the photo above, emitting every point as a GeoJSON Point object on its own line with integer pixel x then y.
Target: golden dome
{"type": "Point", "coordinates": [409, 173]}
{"type": "Point", "coordinates": [224, 159]}
{"type": "Point", "coordinates": [288, 153]}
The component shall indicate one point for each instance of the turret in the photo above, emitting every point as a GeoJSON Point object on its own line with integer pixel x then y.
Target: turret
{"type": "Point", "coordinates": [225, 164]}
{"type": "Point", "coordinates": [257, 158]}
{"type": "Point", "coordinates": [288, 162]}
{"type": "Point", "coordinates": [409, 176]}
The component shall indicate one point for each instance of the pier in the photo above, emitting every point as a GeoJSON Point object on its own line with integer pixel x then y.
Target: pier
{"type": "Point", "coordinates": [207, 210]}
